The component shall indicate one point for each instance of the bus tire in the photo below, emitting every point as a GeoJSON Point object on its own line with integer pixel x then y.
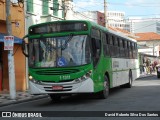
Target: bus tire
{"type": "Point", "coordinates": [129, 84]}
{"type": "Point", "coordinates": [105, 92]}
{"type": "Point", "coordinates": [55, 97]}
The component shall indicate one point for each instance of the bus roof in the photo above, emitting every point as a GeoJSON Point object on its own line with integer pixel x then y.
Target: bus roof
{"type": "Point", "coordinates": [91, 24]}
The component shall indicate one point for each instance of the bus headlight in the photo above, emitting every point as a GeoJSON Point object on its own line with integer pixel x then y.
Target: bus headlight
{"type": "Point", "coordinates": [36, 81]}
{"type": "Point", "coordinates": [33, 80]}
{"type": "Point", "coordinates": [30, 77]}
{"type": "Point", "coordinates": [84, 77]}
{"type": "Point", "coordinates": [89, 73]}
{"type": "Point", "coordinates": [77, 80]}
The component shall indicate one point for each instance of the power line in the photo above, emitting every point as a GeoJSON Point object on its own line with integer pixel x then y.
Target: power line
{"type": "Point", "coordinates": [86, 9]}
{"type": "Point", "coordinates": [146, 26]}
{"type": "Point", "coordinates": [124, 4]}
{"type": "Point", "coordinates": [84, 15]}
{"type": "Point", "coordinates": [143, 15]}
{"type": "Point", "coordinates": [136, 5]}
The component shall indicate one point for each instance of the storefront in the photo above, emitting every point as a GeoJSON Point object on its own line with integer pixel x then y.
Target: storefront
{"type": "Point", "coordinates": [19, 63]}
{"type": "Point", "coordinates": [1, 67]}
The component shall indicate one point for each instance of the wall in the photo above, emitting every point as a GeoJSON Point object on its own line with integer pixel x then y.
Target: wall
{"type": "Point", "coordinates": [150, 44]}
{"type": "Point", "coordinates": [2, 10]}
{"type": "Point", "coordinates": [17, 20]}
{"type": "Point", "coordinates": [17, 17]}
{"type": "Point", "coordinates": [100, 18]}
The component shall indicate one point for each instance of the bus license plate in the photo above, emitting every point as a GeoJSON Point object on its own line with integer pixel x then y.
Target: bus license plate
{"type": "Point", "coordinates": [57, 87]}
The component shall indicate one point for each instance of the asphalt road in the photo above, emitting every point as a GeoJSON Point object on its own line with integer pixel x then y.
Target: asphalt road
{"type": "Point", "coordinates": [143, 96]}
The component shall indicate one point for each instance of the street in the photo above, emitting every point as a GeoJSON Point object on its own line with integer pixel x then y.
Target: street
{"type": "Point", "coordinates": [143, 96]}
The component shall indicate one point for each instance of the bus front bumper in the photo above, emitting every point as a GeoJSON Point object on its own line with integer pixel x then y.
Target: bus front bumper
{"type": "Point", "coordinates": [86, 86]}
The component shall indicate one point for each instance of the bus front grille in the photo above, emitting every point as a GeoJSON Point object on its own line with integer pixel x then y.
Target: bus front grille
{"type": "Point", "coordinates": [61, 81]}
{"type": "Point", "coordinates": [56, 72]}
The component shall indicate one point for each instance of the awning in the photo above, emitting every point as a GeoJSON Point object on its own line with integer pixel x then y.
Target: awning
{"type": "Point", "coordinates": [16, 39]}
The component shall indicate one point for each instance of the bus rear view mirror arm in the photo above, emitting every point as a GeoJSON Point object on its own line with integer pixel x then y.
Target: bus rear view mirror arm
{"type": "Point", "coordinates": [24, 46]}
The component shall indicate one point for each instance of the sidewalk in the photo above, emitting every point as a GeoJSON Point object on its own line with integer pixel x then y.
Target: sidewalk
{"type": "Point", "coordinates": [147, 75]}
{"type": "Point", "coordinates": [26, 96]}
{"type": "Point", "coordinates": [20, 97]}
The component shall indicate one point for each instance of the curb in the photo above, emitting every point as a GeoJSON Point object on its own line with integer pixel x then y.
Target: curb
{"type": "Point", "coordinates": [145, 76]}
{"type": "Point", "coordinates": [23, 100]}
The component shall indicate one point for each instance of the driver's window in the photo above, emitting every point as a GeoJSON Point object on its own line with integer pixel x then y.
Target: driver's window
{"type": "Point", "coordinates": [96, 45]}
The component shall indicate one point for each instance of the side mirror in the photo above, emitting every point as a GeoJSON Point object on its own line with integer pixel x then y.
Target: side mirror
{"type": "Point", "coordinates": [24, 46]}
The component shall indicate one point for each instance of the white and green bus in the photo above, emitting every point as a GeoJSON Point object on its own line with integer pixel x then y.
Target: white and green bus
{"type": "Point", "coordinates": [78, 56]}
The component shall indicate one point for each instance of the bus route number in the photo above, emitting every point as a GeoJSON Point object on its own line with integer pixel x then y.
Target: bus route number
{"type": "Point", "coordinates": [65, 77]}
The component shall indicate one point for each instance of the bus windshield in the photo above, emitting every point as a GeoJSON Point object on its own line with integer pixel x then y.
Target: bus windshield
{"type": "Point", "coordinates": [64, 51]}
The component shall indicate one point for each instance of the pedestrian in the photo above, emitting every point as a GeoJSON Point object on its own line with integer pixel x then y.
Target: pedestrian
{"type": "Point", "coordinates": [150, 68]}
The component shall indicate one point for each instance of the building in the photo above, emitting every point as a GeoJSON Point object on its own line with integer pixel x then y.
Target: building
{"type": "Point", "coordinates": [139, 25]}
{"type": "Point", "coordinates": [39, 11]}
{"type": "Point", "coordinates": [116, 19]}
{"type": "Point", "coordinates": [94, 16]}
{"type": "Point", "coordinates": [149, 43]}
{"type": "Point", "coordinates": [23, 15]}
{"type": "Point", "coordinates": [17, 21]}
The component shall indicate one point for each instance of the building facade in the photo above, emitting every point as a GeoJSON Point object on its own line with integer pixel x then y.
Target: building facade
{"type": "Point", "coordinates": [138, 25]}
{"type": "Point", "coordinates": [23, 15]}
{"type": "Point", "coordinates": [149, 43]}
{"type": "Point", "coordinates": [116, 19]}
{"type": "Point", "coordinates": [39, 11]}
{"type": "Point", "coordinates": [94, 16]}
{"type": "Point", "coordinates": [17, 23]}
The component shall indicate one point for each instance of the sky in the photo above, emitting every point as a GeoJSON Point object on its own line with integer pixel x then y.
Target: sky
{"type": "Point", "coordinates": [132, 8]}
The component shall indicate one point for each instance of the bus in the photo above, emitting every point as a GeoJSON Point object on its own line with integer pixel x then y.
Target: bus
{"type": "Point", "coordinates": [78, 56]}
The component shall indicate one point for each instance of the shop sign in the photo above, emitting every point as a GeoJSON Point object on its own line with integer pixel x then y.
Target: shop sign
{"type": "Point", "coordinates": [8, 42]}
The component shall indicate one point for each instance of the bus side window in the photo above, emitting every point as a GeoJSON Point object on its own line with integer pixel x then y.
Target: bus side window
{"type": "Point", "coordinates": [129, 49]}
{"type": "Point", "coordinates": [118, 47]}
{"type": "Point", "coordinates": [111, 41]}
{"type": "Point", "coordinates": [124, 54]}
{"type": "Point", "coordinates": [107, 45]}
{"type": "Point", "coordinates": [126, 50]}
{"type": "Point", "coordinates": [121, 47]}
{"type": "Point", "coordinates": [96, 47]}
{"type": "Point", "coordinates": [136, 51]}
{"type": "Point", "coordinates": [104, 43]}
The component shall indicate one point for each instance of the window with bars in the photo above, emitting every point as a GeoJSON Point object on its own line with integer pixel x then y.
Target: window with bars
{"type": "Point", "coordinates": [55, 7]}
{"type": "Point", "coordinates": [45, 7]}
{"type": "Point", "coordinates": [29, 5]}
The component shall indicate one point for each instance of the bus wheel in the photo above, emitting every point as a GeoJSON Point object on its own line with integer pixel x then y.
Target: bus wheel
{"type": "Point", "coordinates": [55, 97]}
{"type": "Point", "coordinates": [129, 84]}
{"type": "Point", "coordinates": [105, 92]}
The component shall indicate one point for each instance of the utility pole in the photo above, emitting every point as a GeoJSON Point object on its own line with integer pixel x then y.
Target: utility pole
{"type": "Point", "coordinates": [105, 14]}
{"type": "Point", "coordinates": [153, 49]}
{"type": "Point", "coordinates": [12, 85]}
{"type": "Point", "coordinates": [64, 8]}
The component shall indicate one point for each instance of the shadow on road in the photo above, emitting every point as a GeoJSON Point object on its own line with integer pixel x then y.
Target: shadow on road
{"type": "Point", "coordinates": [154, 77]}
{"type": "Point", "coordinates": [140, 86]}
{"type": "Point", "coordinates": [77, 99]}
